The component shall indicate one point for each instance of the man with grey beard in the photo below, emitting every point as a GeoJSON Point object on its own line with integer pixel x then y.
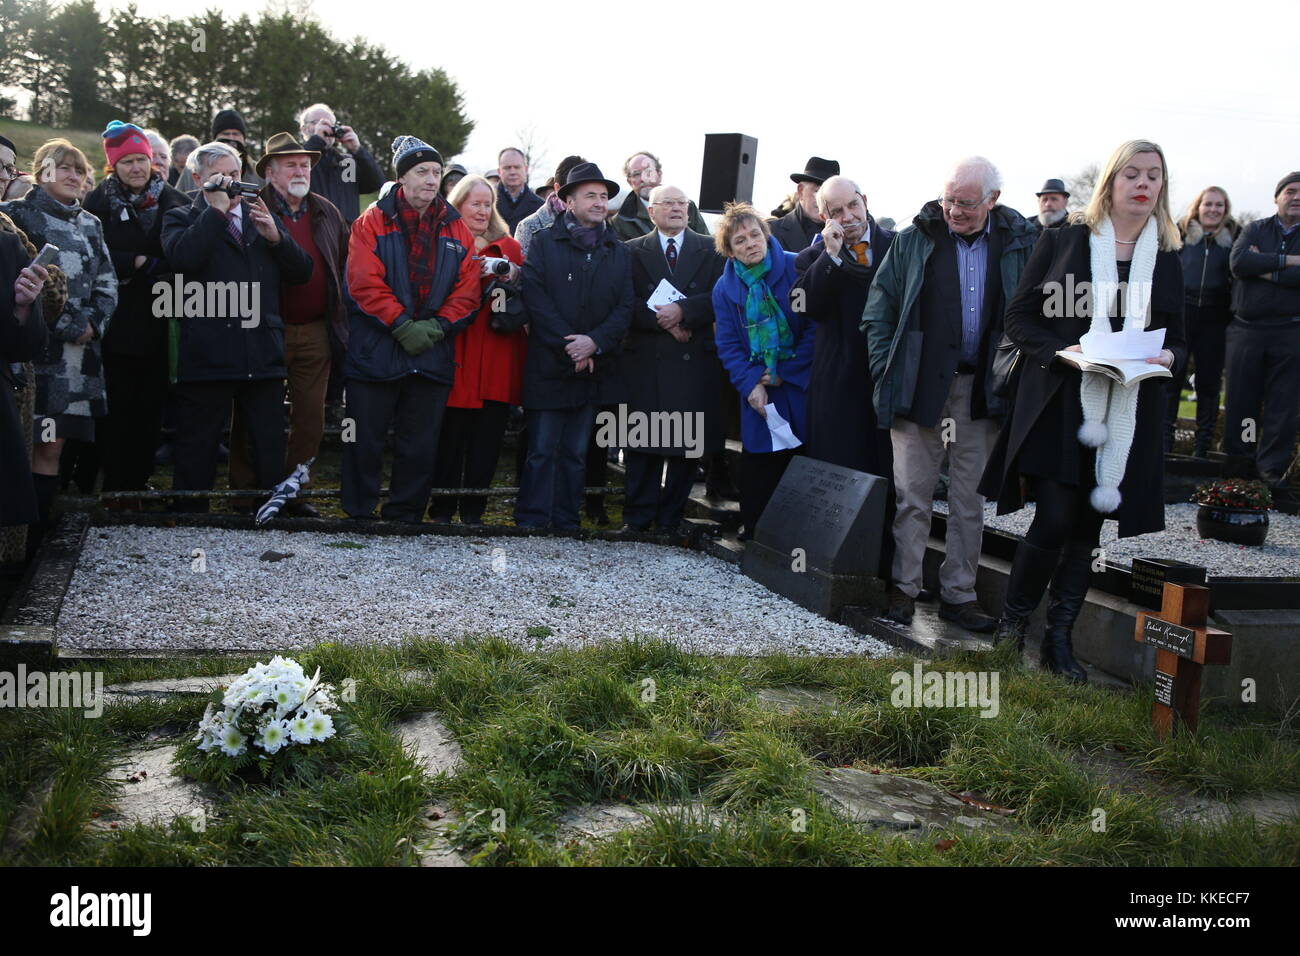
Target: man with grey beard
{"type": "Point", "coordinates": [314, 313]}
{"type": "Point", "coordinates": [1051, 207]}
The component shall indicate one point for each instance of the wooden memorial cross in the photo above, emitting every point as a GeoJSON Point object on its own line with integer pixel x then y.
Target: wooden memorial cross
{"type": "Point", "coordinates": [1184, 645]}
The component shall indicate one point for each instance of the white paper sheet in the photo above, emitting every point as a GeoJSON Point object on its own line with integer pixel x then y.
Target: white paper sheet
{"type": "Point", "coordinates": [665, 292]}
{"type": "Point", "coordinates": [782, 435]}
{"type": "Point", "coordinates": [1125, 344]}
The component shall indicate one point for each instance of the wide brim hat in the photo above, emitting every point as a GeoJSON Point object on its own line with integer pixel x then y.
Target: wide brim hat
{"type": "Point", "coordinates": [283, 144]}
{"type": "Point", "coordinates": [1054, 186]}
{"type": "Point", "coordinates": [817, 170]}
{"type": "Point", "coordinates": [586, 173]}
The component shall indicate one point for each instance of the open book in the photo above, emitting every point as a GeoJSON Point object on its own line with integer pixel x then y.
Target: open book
{"type": "Point", "coordinates": [1124, 371]}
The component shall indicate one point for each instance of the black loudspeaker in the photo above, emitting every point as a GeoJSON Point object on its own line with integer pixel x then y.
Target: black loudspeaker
{"type": "Point", "coordinates": [728, 173]}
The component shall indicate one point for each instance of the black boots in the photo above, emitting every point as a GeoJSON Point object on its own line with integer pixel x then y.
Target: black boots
{"type": "Point", "coordinates": [1065, 600]}
{"type": "Point", "coordinates": [1030, 572]}
{"type": "Point", "coordinates": [47, 489]}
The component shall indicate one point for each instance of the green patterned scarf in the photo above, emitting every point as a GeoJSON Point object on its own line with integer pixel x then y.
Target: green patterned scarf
{"type": "Point", "coordinates": [770, 338]}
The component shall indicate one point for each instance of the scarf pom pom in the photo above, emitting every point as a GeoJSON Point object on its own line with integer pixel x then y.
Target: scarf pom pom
{"type": "Point", "coordinates": [1104, 499]}
{"type": "Point", "coordinates": [1093, 434]}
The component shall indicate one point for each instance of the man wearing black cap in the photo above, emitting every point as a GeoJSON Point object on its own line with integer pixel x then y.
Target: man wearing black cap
{"type": "Point", "coordinates": [228, 127]}
{"type": "Point", "coordinates": [578, 291]}
{"type": "Point", "coordinates": [1051, 206]}
{"type": "Point", "coordinates": [797, 230]}
{"type": "Point", "coordinates": [1262, 407]}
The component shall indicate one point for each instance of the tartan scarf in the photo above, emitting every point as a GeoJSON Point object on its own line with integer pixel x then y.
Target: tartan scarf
{"type": "Point", "coordinates": [770, 338]}
{"type": "Point", "coordinates": [420, 232]}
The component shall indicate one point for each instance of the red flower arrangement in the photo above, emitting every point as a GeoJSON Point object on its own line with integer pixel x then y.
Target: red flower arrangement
{"type": "Point", "coordinates": [1235, 493]}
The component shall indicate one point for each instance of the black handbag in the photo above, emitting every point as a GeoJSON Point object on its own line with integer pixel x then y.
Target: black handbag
{"type": "Point", "coordinates": [506, 313]}
{"type": "Point", "coordinates": [1006, 368]}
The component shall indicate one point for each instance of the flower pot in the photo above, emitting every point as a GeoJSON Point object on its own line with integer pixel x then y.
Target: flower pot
{"type": "Point", "coordinates": [1237, 525]}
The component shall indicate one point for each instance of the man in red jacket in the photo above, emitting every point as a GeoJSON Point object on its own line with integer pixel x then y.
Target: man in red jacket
{"type": "Point", "coordinates": [414, 286]}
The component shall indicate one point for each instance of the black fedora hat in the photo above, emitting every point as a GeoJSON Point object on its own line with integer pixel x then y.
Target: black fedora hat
{"type": "Point", "coordinates": [283, 144]}
{"type": "Point", "coordinates": [586, 173]}
{"type": "Point", "coordinates": [1054, 186]}
{"type": "Point", "coordinates": [817, 170]}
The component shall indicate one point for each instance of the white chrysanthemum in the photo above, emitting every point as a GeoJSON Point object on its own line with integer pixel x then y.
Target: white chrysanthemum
{"type": "Point", "coordinates": [320, 725]}
{"type": "Point", "coordinates": [275, 734]}
{"type": "Point", "coordinates": [300, 729]}
{"type": "Point", "coordinates": [285, 699]}
{"type": "Point", "coordinates": [232, 741]}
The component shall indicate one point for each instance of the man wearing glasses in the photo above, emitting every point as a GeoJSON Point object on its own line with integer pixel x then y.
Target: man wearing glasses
{"type": "Point", "coordinates": [933, 320]}
{"type": "Point", "coordinates": [643, 173]}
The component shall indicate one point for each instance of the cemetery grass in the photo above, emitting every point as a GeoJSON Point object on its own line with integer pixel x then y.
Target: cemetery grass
{"type": "Point", "coordinates": [543, 732]}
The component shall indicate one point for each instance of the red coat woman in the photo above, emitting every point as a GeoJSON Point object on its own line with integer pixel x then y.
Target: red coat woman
{"type": "Point", "coordinates": [489, 362]}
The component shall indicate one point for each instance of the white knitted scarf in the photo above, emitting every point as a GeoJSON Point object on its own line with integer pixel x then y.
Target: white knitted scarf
{"type": "Point", "coordinates": [1109, 408]}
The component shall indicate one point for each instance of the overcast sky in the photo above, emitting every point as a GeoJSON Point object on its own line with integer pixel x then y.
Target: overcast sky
{"type": "Point", "coordinates": [895, 91]}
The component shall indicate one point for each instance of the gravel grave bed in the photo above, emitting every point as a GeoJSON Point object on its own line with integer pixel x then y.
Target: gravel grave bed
{"type": "Point", "coordinates": [135, 588]}
{"type": "Point", "coordinates": [1278, 557]}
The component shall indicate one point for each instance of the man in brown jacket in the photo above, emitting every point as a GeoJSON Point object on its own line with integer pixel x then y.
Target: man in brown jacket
{"type": "Point", "coordinates": [314, 312]}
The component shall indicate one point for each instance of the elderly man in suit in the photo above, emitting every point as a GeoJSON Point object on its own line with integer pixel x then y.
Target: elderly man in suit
{"type": "Point", "coordinates": [670, 363]}
{"type": "Point", "coordinates": [797, 229]}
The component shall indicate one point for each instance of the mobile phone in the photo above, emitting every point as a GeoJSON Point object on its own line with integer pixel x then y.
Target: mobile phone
{"type": "Point", "coordinates": [48, 254]}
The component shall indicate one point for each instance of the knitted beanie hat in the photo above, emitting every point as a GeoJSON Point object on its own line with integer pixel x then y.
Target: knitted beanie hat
{"type": "Point", "coordinates": [228, 119]}
{"type": "Point", "coordinates": [410, 151]}
{"type": "Point", "coordinates": [1285, 181]}
{"type": "Point", "coordinates": [1109, 408]}
{"type": "Point", "coordinates": [123, 139]}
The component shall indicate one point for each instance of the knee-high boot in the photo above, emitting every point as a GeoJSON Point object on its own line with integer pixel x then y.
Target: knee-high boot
{"type": "Point", "coordinates": [1065, 601]}
{"type": "Point", "coordinates": [1030, 573]}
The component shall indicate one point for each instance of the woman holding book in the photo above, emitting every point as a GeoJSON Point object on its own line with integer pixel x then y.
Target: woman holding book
{"type": "Point", "coordinates": [1084, 446]}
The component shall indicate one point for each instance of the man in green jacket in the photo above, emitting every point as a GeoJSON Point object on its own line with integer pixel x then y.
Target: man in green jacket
{"type": "Point", "coordinates": [643, 173]}
{"type": "Point", "coordinates": [933, 320]}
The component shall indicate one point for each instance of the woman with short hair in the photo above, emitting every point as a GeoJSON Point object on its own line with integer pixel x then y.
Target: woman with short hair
{"type": "Point", "coordinates": [1087, 447]}
{"type": "Point", "coordinates": [1208, 232]}
{"type": "Point", "coordinates": [765, 346]}
{"type": "Point", "coordinates": [70, 391]}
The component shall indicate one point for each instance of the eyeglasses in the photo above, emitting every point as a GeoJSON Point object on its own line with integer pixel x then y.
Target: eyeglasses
{"type": "Point", "coordinates": [638, 173]}
{"type": "Point", "coordinates": [672, 203]}
{"type": "Point", "coordinates": [962, 203]}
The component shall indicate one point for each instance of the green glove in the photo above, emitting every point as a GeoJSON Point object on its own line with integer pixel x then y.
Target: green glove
{"type": "Point", "coordinates": [414, 337]}
{"type": "Point", "coordinates": [436, 334]}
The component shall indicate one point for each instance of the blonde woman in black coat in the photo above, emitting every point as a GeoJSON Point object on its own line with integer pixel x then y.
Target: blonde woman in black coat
{"type": "Point", "coordinates": [1087, 449]}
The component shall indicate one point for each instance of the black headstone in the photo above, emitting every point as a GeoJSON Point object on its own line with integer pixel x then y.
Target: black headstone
{"type": "Point", "coordinates": [1147, 583]}
{"type": "Point", "coordinates": [818, 540]}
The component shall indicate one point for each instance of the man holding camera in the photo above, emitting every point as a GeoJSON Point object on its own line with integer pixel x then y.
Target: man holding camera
{"type": "Point", "coordinates": [233, 351]}
{"type": "Point", "coordinates": [345, 170]}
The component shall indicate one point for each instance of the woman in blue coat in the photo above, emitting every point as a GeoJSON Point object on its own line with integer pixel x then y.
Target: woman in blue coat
{"type": "Point", "coordinates": [765, 345]}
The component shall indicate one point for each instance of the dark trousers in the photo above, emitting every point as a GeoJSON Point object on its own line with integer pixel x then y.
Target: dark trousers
{"type": "Point", "coordinates": [136, 387]}
{"type": "Point", "coordinates": [760, 473]}
{"type": "Point", "coordinates": [646, 500]}
{"type": "Point", "coordinates": [551, 488]}
{"type": "Point", "coordinates": [596, 470]}
{"type": "Point", "coordinates": [1062, 513]}
{"type": "Point", "coordinates": [413, 407]}
{"type": "Point", "coordinates": [468, 448]}
{"type": "Point", "coordinates": [1263, 385]}
{"type": "Point", "coordinates": [1207, 331]}
{"type": "Point", "coordinates": [202, 411]}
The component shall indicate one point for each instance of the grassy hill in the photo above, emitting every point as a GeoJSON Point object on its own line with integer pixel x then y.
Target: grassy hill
{"type": "Point", "coordinates": [28, 137]}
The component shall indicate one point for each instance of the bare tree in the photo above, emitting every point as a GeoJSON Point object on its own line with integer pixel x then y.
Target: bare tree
{"type": "Point", "coordinates": [533, 145]}
{"type": "Point", "coordinates": [1081, 186]}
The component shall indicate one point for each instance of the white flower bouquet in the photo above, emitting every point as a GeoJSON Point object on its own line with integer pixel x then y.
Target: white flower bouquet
{"type": "Point", "coordinates": [271, 709]}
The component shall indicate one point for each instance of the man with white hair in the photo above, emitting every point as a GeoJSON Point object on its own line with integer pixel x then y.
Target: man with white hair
{"type": "Point", "coordinates": [933, 320]}
{"type": "Point", "coordinates": [314, 313]}
{"type": "Point", "coordinates": [345, 169]}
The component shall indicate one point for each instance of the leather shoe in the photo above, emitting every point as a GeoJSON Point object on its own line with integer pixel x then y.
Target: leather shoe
{"type": "Point", "coordinates": [968, 615]}
{"type": "Point", "coordinates": [901, 606]}
{"type": "Point", "coordinates": [297, 508]}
